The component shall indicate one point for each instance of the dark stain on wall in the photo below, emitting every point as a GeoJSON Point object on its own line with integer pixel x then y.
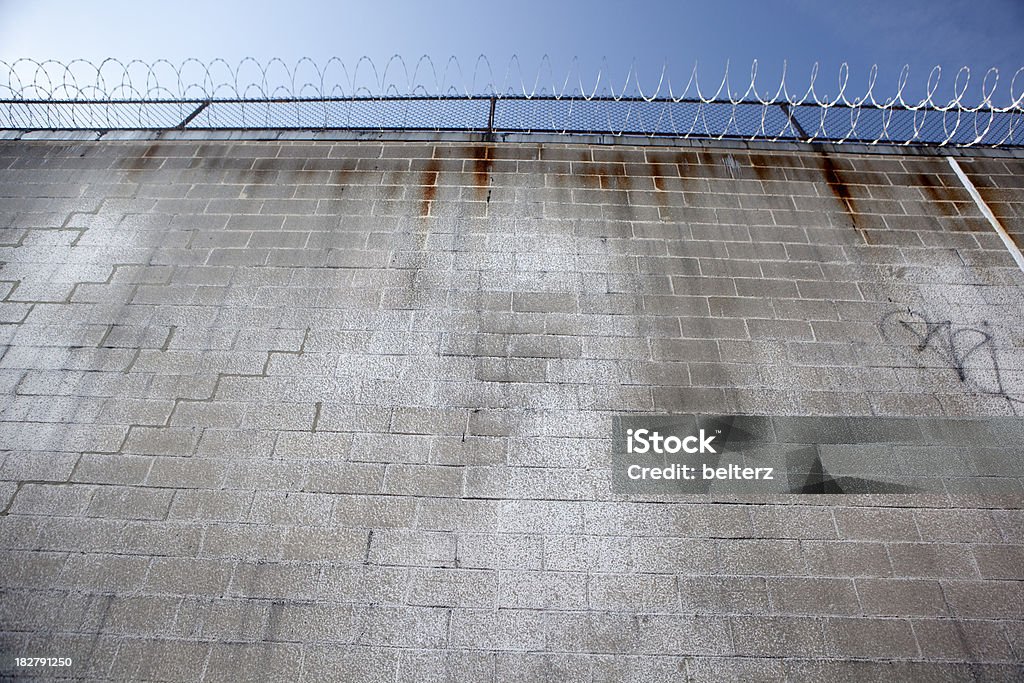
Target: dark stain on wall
{"type": "Point", "coordinates": [591, 180]}
{"type": "Point", "coordinates": [428, 181]}
{"type": "Point", "coordinates": [260, 177]}
{"type": "Point", "coordinates": [937, 194]}
{"type": "Point", "coordinates": [839, 188]}
{"type": "Point", "coordinates": [613, 176]}
{"type": "Point", "coordinates": [933, 193]}
{"type": "Point", "coordinates": [766, 168]}
{"type": "Point", "coordinates": [714, 165]}
{"type": "Point", "coordinates": [621, 174]}
{"type": "Point", "coordinates": [392, 186]}
{"type": "Point", "coordinates": [483, 160]}
{"type": "Point", "coordinates": [340, 177]}
{"type": "Point", "coordinates": [137, 166]}
{"type": "Point", "coordinates": [760, 171]}
{"type": "Point", "coordinates": [683, 163]}
{"type": "Point", "coordinates": [657, 172]}
{"type": "Point", "coordinates": [304, 176]}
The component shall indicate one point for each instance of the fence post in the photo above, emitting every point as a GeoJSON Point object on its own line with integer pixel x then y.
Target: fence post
{"type": "Point", "coordinates": [490, 117]}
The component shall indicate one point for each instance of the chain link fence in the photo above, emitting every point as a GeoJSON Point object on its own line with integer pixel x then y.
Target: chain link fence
{"type": "Point", "coordinates": [195, 96]}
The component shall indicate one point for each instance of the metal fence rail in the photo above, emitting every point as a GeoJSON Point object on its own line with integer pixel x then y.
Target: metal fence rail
{"type": "Point", "coordinates": [53, 96]}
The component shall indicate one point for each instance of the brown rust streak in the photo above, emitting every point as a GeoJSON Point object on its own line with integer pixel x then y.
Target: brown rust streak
{"type": "Point", "coordinates": [340, 177]}
{"type": "Point", "coordinates": [483, 160]}
{"type": "Point", "coordinates": [763, 168]}
{"type": "Point", "coordinates": [429, 183]}
{"type": "Point", "coordinates": [682, 166]}
{"type": "Point", "coordinates": [939, 195]}
{"type": "Point", "coordinates": [943, 197]}
{"type": "Point", "coordinates": [259, 177]}
{"type": "Point", "coordinates": [390, 190]}
{"type": "Point", "coordinates": [657, 172]}
{"type": "Point", "coordinates": [714, 165]}
{"type": "Point", "coordinates": [591, 180]}
{"type": "Point", "coordinates": [137, 166]}
{"type": "Point", "coordinates": [613, 176]}
{"type": "Point", "coordinates": [620, 171]}
{"type": "Point", "coordinates": [842, 192]}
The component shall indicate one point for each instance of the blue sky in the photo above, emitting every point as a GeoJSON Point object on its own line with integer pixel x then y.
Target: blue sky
{"type": "Point", "coordinates": [921, 33]}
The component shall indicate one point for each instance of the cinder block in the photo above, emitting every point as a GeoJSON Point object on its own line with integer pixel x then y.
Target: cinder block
{"type": "Point", "coordinates": [412, 548]}
{"type": "Point", "coordinates": [860, 638]}
{"type": "Point", "coordinates": [465, 588]}
{"type": "Point", "coordinates": [497, 630]}
{"type": "Point", "coordinates": [230, 661]}
{"type": "Point", "coordinates": [902, 597]}
{"type": "Point", "coordinates": [117, 502]}
{"type": "Point", "coordinates": [983, 599]}
{"type": "Point", "coordinates": [778, 636]}
{"type": "Point", "coordinates": [633, 592]}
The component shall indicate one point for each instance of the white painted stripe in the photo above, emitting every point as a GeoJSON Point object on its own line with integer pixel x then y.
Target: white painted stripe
{"type": "Point", "coordinates": [1011, 246]}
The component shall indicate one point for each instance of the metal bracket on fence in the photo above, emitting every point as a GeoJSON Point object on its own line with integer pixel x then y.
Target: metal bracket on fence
{"type": "Point", "coordinates": [490, 117]}
{"type": "Point", "coordinates": [195, 113]}
{"type": "Point", "coordinates": [788, 111]}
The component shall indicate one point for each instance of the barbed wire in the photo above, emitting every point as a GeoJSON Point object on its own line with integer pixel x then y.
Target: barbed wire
{"type": "Point", "coordinates": [429, 95]}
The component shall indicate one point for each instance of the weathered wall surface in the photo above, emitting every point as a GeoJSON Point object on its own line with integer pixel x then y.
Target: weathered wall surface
{"type": "Point", "coordinates": [342, 410]}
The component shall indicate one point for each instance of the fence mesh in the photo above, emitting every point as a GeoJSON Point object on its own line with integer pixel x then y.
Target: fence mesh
{"type": "Point", "coordinates": [115, 95]}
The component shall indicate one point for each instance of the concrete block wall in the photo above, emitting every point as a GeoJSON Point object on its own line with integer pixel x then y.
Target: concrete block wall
{"type": "Point", "coordinates": [311, 410]}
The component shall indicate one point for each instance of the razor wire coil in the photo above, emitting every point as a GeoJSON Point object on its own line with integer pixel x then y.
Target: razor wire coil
{"type": "Point", "coordinates": [115, 94]}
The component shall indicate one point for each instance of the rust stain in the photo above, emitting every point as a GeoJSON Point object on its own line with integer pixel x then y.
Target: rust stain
{"type": "Point", "coordinates": [260, 176]}
{"type": "Point", "coordinates": [340, 177]}
{"type": "Point", "coordinates": [943, 198]}
{"type": "Point", "coordinates": [762, 173]}
{"type": "Point", "coordinates": [613, 176]}
{"type": "Point", "coordinates": [682, 165]}
{"type": "Point", "coordinates": [620, 172]}
{"type": "Point", "coordinates": [841, 191]}
{"type": "Point", "coordinates": [591, 180]}
{"type": "Point", "coordinates": [257, 176]}
{"type": "Point", "coordinates": [715, 165]}
{"type": "Point", "coordinates": [657, 172]}
{"type": "Point", "coordinates": [136, 167]}
{"type": "Point", "coordinates": [429, 183]}
{"type": "Point", "coordinates": [986, 196]}
{"type": "Point", "coordinates": [761, 166]}
{"type": "Point", "coordinates": [939, 196]}
{"type": "Point", "coordinates": [391, 190]}
{"type": "Point", "coordinates": [483, 160]}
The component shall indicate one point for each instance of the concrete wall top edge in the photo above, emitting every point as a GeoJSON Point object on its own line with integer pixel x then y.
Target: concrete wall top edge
{"type": "Point", "coordinates": [397, 137]}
